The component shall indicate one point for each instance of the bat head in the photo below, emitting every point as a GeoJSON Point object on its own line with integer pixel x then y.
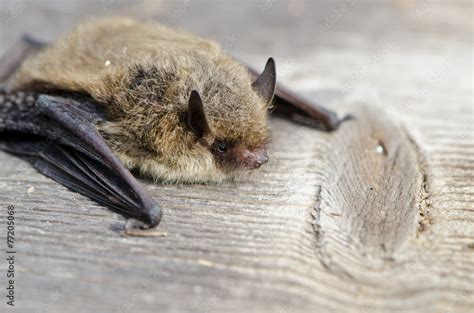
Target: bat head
{"type": "Point", "coordinates": [198, 119]}
{"type": "Point", "coordinates": [233, 125]}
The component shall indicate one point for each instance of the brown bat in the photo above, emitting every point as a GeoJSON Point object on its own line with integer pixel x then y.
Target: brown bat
{"type": "Point", "coordinates": [116, 94]}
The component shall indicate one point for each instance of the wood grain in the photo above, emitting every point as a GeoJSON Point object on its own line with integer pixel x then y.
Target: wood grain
{"type": "Point", "coordinates": [372, 194]}
{"type": "Point", "coordinates": [376, 217]}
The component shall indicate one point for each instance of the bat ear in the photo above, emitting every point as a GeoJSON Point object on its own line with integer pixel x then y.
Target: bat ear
{"type": "Point", "coordinates": [264, 85]}
{"type": "Point", "coordinates": [196, 116]}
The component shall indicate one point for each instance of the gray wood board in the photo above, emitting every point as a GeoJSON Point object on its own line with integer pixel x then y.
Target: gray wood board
{"type": "Point", "coordinates": [375, 217]}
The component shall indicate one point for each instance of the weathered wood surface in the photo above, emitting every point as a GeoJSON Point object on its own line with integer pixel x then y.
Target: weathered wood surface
{"type": "Point", "coordinates": [376, 217]}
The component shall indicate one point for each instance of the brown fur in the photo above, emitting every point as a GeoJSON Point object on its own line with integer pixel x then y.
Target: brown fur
{"type": "Point", "coordinates": [144, 74]}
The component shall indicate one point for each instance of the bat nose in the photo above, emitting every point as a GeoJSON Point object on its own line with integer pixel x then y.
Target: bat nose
{"type": "Point", "coordinates": [255, 158]}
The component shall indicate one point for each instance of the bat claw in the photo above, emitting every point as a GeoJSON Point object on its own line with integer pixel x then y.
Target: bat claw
{"type": "Point", "coordinates": [348, 117]}
{"type": "Point", "coordinates": [153, 217]}
{"type": "Point", "coordinates": [136, 228]}
{"type": "Point", "coordinates": [335, 122]}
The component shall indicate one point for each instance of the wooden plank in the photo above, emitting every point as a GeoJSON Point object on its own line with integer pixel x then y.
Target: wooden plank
{"type": "Point", "coordinates": [305, 233]}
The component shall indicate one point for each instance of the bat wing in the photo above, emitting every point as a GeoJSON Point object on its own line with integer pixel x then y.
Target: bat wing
{"type": "Point", "coordinates": [59, 138]}
{"type": "Point", "coordinates": [300, 110]}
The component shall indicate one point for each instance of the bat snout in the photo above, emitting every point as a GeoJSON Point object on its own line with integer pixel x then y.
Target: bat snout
{"type": "Point", "coordinates": [255, 158]}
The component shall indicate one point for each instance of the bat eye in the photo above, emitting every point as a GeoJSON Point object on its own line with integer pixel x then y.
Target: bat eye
{"type": "Point", "coordinates": [221, 147]}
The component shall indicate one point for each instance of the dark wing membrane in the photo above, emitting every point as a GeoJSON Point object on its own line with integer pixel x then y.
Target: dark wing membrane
{"type": "Point", "coordinates": [59, 138]}
{"type": "Point", "coordinates": [300, 110]}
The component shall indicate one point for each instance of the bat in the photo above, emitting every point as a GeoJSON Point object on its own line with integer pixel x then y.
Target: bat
{"type": "Point", "coordinates": [116, 94]}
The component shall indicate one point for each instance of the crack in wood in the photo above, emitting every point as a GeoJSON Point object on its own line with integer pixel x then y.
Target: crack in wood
{"type": "Point", "coordinates": [425, 218]}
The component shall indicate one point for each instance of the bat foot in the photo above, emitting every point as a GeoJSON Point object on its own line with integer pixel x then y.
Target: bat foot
{"type": "Point", "coordinates": [136, 228]}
